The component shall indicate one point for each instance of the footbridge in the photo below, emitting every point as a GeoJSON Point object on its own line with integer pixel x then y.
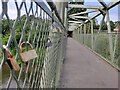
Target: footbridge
{"type": "Point", "coordinates": [58, 44]}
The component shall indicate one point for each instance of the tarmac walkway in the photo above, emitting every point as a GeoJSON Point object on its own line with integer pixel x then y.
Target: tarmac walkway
{"type": "Point", "coordinates": [83, 69]}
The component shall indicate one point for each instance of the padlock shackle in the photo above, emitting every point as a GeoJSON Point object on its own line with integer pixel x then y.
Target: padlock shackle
{"type": "Point", "coordinates": [23, 44]}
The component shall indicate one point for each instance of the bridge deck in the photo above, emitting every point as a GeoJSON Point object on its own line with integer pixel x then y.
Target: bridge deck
{"type": "Point", "coordinates": [83, 69]}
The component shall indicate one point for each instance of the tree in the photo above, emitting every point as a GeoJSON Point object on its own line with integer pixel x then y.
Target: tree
{"type": "Point", "coordinates": [112, 24]}
{"type": "Point", "coordinates": [5, 26]}
{"type": "Point", "coordinates": [117, 22]}
{"type": "Point", "coordinates": [104, 26]}
{"type": "Point", "coordinates": [95, 24]}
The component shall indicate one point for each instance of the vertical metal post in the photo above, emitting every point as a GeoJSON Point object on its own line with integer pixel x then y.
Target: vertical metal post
{"type": "Point", "coordinates": [78, 34]}
{"type": "Point", "coordinates": [92, 36]}
{"type": "Point", "coordinates": [84, 33]}
{"type": "Point", "coordinates": [62, 11]}
{"type": "Point", "coordinates": [80, 29]}
{"type": "Point", "coordinates": [101, 23]}
{"type": "Point", "coordinates": [84, 28]}
{"type": "Point", "coordinates": [108, 22]}
{"type": "Point", "coordinates": [89, 27]}
{"type": "Point", "coordinates": [65, 17]}
{"type": "Point", "coordinates": [110, 36]}
{"type": "Point", "coordinates": [60, 5]}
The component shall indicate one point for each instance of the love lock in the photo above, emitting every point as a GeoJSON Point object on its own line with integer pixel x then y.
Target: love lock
{"type": "Point", "coordinates": [48, 43]}
{"type": "Point", "coordinates": [11, 60]}
{"type": "Point", "coordinates": [27, 55]}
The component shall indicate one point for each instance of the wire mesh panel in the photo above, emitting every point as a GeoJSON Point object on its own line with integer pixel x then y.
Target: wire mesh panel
{"type": "Point", "coordinates": [102, 44]}
{"type": "Point", "coordinates": [38, 31]}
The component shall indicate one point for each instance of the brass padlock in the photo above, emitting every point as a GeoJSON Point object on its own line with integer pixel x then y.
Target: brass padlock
{"type": "Point", "coordinates": [11, 60]}
{"type": "Point", "coordinates": [27, 55]}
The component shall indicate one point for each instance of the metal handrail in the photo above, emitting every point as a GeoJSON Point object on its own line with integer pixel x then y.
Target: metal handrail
{"type": "Point", "coordinates": [48, 39]}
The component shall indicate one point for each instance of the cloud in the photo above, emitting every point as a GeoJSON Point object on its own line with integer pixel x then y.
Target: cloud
{"type": "Point", "coordinates": [0, 7]}
{"type": "Point", "coordinates": [12, 11]}
{"type": "Point", "coordinates": [113, 11]}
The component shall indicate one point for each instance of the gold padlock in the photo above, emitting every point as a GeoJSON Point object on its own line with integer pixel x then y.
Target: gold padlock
{"type": "Point", "coordinates": [27, 55]}
{"type": "Point", "coordinates": [11, 60]}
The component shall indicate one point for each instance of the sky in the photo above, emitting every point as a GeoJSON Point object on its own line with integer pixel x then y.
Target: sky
{"type": "Point", "coordinates": [12, 12]}
{"type": "Point", "coordinates": [113, 11]}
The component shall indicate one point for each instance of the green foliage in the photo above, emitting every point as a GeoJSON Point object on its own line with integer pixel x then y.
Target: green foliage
{"type": "Point", "coordinates": [104, 26]}
{"type": "Point", "coordinates": [6, 32]}
{"type": "Point", "coordinates": [95, 24]}
{"type": "Point", "coordinates": [102, 46]}
{"type": "Point", "coordinates": [117, 23]}
{"type": "Point", "coordinates": [5, 27]}
{"type": "Point", "coordinates": [112, 24]}
{"type": "Point", "coordinates": [18, 29]}
{"type": "Point", "coordinates": [5, 38]}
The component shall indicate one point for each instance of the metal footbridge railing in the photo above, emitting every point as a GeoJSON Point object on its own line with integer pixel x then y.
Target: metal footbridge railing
{"type": "Point", "coordinates": [104, 42]}
{"type": "Point", "coordinates": [42, 37]}
{"type": "Point", "coordinates": [33, 43]}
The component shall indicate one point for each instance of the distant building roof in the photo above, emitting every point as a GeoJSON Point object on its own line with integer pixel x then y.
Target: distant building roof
{"type": "Point", "coordinates": [117, 28]}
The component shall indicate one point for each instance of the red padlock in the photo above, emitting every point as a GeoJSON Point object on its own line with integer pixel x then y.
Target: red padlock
{"type": "Point", "coordinates": [11, 60]}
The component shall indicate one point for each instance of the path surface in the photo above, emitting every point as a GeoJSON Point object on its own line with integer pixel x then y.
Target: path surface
{"type": "Point", "coordinates": [83, 69]}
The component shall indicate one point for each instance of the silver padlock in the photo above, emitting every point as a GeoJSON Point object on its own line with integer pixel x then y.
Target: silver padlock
{"type": "Point", "coordinates": [48, 43]}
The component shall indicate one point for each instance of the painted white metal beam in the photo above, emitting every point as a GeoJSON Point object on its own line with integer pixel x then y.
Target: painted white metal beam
{"type": "Point", "coordinates": [84, 6]}
{"type": "Point", "coordinates": [75, 21]}
{"type": "Point", "coordinates": [74, 18]}
{"type": "Point", "coordinates": [102, 3]}
{"type": "Point", "coordinates": [74, 25]}
{"type": "Point", "coordinates": [71, 28]}
{"type": "Point", "coordinates": [82, 17]}
{"type": "Point", "coordinates": [90, 11]}
{"type": "Point", "coordinates": [112, 4]}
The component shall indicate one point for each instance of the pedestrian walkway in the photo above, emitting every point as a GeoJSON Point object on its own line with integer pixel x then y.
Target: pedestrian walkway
{"type": "Point", "coordinates": [83, 69]}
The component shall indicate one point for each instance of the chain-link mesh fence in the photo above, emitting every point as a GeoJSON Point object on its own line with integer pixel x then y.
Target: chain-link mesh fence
{"type": "Point", "coordinates": [47, 37]}
{"type": "Point", "coordinates": [106, 45]}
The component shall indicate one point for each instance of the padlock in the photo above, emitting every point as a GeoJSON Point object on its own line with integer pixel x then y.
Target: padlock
{"type": "Point", "coordinates": [27, 55]}
{"type": "Point", "coordinates": [11, 60]}
{"type": "Point", "coordinates": [48, 43]}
